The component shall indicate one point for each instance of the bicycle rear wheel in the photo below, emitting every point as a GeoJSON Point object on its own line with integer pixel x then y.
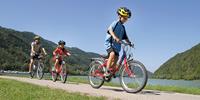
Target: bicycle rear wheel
{"type": "Point", "coordinates": [95, 75]}
{"type": "Point", "coordinates": [134, 78]}
{"type": "Point", "coordinates": [63, 74]}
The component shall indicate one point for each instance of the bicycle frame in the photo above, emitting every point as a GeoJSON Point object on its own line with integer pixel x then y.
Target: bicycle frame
{"type": "Point", "coordinates": [116, 69]}
{"type": "Point", "coordinates": [59, 69]}
{"type": "Point", "coordinates": [37, 67]}
{"type": "Point", "coordinates": [132, 73]}
{"type": "Point", "coordinates": [37, 61]}
{"type": "Point", "coordinates": [61, 73]}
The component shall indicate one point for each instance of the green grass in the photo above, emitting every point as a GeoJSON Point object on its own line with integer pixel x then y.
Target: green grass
{"type": "Point", "coordinates": [15, 90]}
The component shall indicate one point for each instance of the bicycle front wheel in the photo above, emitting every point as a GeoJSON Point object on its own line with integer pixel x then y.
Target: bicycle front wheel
{"type": "Point", "coordinates": [40, 71]}
{"type": "Point", "coordinates": [33, 67]}
{"type": "Point", "coordinates": [64, 74]}
{"type": "Point", "coordinates": [54, 75]}
{"type": "Point", "coordinates": [134, 78]}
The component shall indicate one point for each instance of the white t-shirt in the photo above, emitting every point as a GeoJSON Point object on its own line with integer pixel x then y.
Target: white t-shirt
{"type": "Point", "coordinates": [37, 48]}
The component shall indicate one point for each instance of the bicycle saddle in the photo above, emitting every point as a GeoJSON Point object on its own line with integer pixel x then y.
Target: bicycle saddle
{"type": "Point", "coordinates": [104, 56]}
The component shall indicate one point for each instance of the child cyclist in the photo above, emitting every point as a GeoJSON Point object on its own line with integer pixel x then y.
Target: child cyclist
{"type": "Point", "coordinates": [116, 33]}
{"type": "Point", "coordinates": [36, 50]}
{"type": "Point", "coordinates": [58, 54]}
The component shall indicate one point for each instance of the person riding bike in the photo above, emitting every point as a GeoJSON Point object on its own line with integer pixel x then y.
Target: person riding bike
{"type": "Point", "coordinates": [58, 54]}
{"type": "Point", "coordinates": [116, 32]}
{"type": "Point", "coordinates": [36, 50]}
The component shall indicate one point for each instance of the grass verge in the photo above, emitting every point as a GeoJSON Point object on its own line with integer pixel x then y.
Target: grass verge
{"type": "Point", "coordinates": [15, 90]}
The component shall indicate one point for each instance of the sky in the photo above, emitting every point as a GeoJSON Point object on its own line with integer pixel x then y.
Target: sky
{"type": "Point", "coordinates": [159, 28]}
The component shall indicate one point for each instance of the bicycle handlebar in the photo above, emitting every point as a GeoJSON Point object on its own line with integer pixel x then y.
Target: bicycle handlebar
{"type": "Point", "coordinates": [127, 44]}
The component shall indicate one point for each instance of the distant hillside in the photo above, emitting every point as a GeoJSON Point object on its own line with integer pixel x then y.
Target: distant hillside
{"type": "Point", "coordinates": [15, 51]}
{"type": "Point", "coordinates": [184, 65]}
{"type": "Point", "coordinates": [150, 74]}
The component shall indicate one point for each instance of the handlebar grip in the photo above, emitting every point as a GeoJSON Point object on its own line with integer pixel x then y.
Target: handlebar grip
{"type": "Point", "coordinates": [130, 44]}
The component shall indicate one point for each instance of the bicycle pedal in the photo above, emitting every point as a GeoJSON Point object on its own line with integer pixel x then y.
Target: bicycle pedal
{"type": "Point", "coordinates": [108, 79]}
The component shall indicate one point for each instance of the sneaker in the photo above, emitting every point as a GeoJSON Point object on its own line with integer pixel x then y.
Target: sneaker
{"type": "Point", "coordinates": [106, 72]}
{"type": "Point", "coordinates": [107, 76]}
{"type": "Point", "coordinates": [132, 76]}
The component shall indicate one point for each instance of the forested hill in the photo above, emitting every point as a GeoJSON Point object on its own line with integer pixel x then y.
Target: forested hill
{"type": "Point", "coordinates": [184, 65]}
{"type": "Point", "coordinates": [15, 51]}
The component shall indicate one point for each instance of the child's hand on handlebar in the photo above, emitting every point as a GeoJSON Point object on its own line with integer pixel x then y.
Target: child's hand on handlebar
{"type": "Point", "coordinates": [131, 44]}
{"type": "Point", "coordinates": [117, 40]}
{"type": "Point", "coordinates": [68, 54]}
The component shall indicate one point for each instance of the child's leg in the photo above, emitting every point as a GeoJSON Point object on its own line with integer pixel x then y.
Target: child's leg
{"type": "Point", "coordinates": [56, 65]}
{"type": "Point", "coordinates": [110, 59]}
{"type": "Point", "coordinates": [30, 65]}
{"type": "Point", "coordinates": [114, 63]}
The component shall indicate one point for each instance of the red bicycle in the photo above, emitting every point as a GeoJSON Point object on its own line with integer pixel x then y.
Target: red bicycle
{"type": "Point", "coordinates": [62, 72]}
{"type": "Point", "coordinates": [132, 73]}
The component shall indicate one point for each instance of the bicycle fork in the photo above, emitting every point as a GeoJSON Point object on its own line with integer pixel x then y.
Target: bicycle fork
{"type": "Point", "coordinates": [127, 69]}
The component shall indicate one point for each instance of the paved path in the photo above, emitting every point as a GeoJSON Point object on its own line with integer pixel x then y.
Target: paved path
{"type": "Point", "coordinates": [109, 92]}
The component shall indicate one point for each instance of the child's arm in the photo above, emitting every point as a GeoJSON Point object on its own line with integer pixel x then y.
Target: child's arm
{"type": "Point", "coordinates": [114, 36]}
{"type": "Point", "coordinates": [67, 53]}
{"type": "Point", "coordinates": [125, 37]}
{"type": "Point", "coordinates": [44, 51]}
{"type": "Point", "coordinates": [55, 52]}
{"type": "Point", "coordinates": [32, 48]}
